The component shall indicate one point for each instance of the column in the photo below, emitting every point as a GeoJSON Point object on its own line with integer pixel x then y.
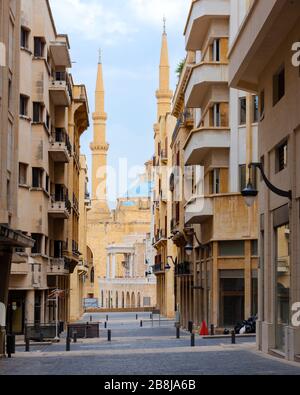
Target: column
{"type": "Point", "coordinates": [5, 266]}
{"type": "Point", "coordinates": [131, 263]}
{"type": "Point", "coordinates": [248, 278]}
{"type": "Point", "coordinates": [113, 266]}
{"type": "Point", "coordinates": [29, 307]}
{"type": "Point", "coordinates": [108, 266]}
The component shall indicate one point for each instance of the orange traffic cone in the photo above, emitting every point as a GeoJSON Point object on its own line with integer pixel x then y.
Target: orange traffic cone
{"type": "Point", "coordinates": [204, 329]}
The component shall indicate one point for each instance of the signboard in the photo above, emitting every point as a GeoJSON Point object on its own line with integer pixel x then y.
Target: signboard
{"type": "Point", "coordinates": [90, 303]}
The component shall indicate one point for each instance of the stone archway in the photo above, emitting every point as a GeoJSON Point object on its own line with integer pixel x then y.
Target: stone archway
{"type": "Point", "coordinates": [133, 300]}
{"type": "Point", "coordinates": [128, 300]}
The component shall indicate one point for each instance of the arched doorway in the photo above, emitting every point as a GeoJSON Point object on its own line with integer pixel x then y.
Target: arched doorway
{"type": "Point", "coordinates": [128, 300]}
{"type": "Point", "coordinates": [133, 300]}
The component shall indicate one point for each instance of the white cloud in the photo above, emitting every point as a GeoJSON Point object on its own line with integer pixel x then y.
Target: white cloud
{"type": "Point", "coordinates": [153, 11]}
{"type": "Point", "coordinates": [92, 19]}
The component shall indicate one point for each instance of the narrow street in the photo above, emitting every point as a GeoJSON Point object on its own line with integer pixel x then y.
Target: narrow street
{"type": "Point", "coordinates": [146, 350]}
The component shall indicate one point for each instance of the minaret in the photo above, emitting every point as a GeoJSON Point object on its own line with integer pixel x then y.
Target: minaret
{"type": "Point", "coordinates": [99, 146]}
{"type": "Point", "coordinates": [164, 94]}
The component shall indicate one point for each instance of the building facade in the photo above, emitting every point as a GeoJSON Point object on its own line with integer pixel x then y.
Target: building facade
{"type": "Point", "coordinates": [263, 60]}
{"type": "Point", "coordinates": [214, 234]}
{"type": "Point", "coordinates": [53, 114]}
{"type": "Point", "coordinates": [107, 229]}
{"type": "Point", "coordinates": [162, 206]}
{"type": "Point", "coordinates": [10, 238]}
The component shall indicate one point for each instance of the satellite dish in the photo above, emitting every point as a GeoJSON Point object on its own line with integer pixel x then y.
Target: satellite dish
{"type": "Point", "coordinates": [2, 315]}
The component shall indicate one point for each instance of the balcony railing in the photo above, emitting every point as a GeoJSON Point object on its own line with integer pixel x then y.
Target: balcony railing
{"type": "Point", "coordinates": [183, 269]}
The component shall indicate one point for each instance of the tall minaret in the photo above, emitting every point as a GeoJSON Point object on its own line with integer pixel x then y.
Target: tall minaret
{"type": "Point", "coordinates": [99, 146]}
{"type": "Point", "coordinates": [164, 94]}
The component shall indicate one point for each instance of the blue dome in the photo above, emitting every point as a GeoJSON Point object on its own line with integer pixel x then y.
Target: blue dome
{"type": "Point", "coordinates": [140, 190]}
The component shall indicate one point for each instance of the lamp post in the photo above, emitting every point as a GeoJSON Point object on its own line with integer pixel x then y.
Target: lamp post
{"type": "Point", "coordinates": [250, 193]}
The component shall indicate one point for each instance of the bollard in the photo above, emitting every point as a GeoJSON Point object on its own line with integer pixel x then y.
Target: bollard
{"type": "Point", "coordinates": [193, 340]}
{"type": "Point", "coordinates": [107, 318]}
{"type": "Point", "coordinates": [141, 323]}
{"type": "Point", "coordinates": [151, 317]}
{"type": "Point", "coordinates": [105, 324]}
{"type": "Point", "coordinates": [212, 330]}
{"type": "Point", "coordinates": [109, 335]}
{"type": "Point", "coordinates": [190, 326]}
{"type": "Point", "coordinates": [233, 337]}
{"type": "Point", "coordinates": [177, 332]}
{"type": "Point", "coordinates": [75, 337]}
{"type": "Point", "coordinates": [136, 317]}
{"type": "Point", "coordinates": [27, 344]}
{"type": "Point", "coordinates": [68, 344]}
{"type": "Point", "coordinates": [91, 318]}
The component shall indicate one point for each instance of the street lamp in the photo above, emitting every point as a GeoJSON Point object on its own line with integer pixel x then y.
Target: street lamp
{"type": "Point", "coordinates": [250, 193]}
{"type": "Point", "coordinates": [189, 249]}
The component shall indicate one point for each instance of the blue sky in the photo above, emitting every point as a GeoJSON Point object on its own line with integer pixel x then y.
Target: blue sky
{"type": "Point", "coordinates": [129, 33]}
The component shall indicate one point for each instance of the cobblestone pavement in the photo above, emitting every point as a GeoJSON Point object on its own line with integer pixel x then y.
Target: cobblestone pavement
{"type": "Point", "coordinates": [148, 350]}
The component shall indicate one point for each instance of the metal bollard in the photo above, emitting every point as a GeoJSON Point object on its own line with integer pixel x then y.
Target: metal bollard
{"type": "Point", "coordinates": [107, 318]}
{"type": "Point", "coordinates": [212, 330]}
{"type": "Point", "coordinates": [109, 335]}
{"type": "Point", "coordinates": [193, 340]}
{"type": "Point", "coordinates": [68, 344]}
{"type": "Point", "coordinates": [105, 324]}
{"type": "Point", "coordinates": [91, 318]}
{"type": "Point", "coordinates": [10, 345]}
{"type": "Point", "coordinates": [27, 344]}
{"type": "Point", "coordinates": [233, 337]}
{"type": "Point", "coordinates": [190, 326]}
{"type": "Point", "coordinates": [177, 332]}
{"type": "Point", "coordinates": [136, 317]}
{"type": "Point", "coordinates": [141, 323]}
{"type": "Point", "coordinates": [151, 317]}
{"type": "Point", "coordinates": [75, 337]}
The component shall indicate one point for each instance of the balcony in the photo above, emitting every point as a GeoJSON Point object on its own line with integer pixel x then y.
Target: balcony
{"type": "Point", "coordinates": [198, 210]}
{"type": "Point", "coordinates": [183, 269]}
{"type": "Point", "coordinates": [159, 268]}
{"type": "Point", "coordinates": [60, 89]}
{"type": "Point", "coordinates": [201, 141]}
{"type": "Point", "coordinates": [204, 75]}
{"type": "Point", "coordinates": [161, 236]}
{"type": "Point", "coordinates": [60, 54]}
{"type": "Point", "coordinates": [164, 156]}
{"type": "Point", "coordinates": [201, 14]}
{"type": "Point", "coordinates": [59, 204]}
{"type": "Point", "coordinates": [58, 267]}
{"type": "Point", "coordinates": [265, 27]}
{"type": "Point", "coordinates": [60, 147]}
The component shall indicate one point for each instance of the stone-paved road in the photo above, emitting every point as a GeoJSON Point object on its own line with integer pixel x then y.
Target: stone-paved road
{"type": "Point", "coordinates": [147, 351]}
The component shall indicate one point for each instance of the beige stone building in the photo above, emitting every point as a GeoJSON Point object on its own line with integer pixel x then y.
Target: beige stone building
{"type": "Point", "coordinates": [114, 236]}
{"type": "Point", "coordinates": [10, 238]}
{"type": "Point", "coordinates": [263, 60]}
{"type": "Point", "coordinates": [214, 234]}
{"type": "Point", "coordinates": [53, 114]}
{"type": "Point", "coordinates": [162, 206]}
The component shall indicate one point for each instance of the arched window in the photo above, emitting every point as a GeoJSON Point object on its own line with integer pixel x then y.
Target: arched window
{"type": "Point", "coordinates": [92, 275]}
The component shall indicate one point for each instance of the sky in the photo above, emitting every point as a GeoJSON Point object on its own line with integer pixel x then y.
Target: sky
{"type": "Point", "coordinates": [129, 35]}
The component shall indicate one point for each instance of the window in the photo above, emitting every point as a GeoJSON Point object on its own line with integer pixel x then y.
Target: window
{"type": "Point", "coordinates": [262, 105]}
{"type": "Point", "coordinates": [47, 183]}
{"type": "Point", "coordinates": [254, 247]}
{"type": "Point", "coordinates": [24, 37]}
{"type": "Point", "coordinates": [23, 173]}
{"type": "Point", "coordinates": [215, 181]}
{"type": "Point", "coordinates": [23, 105]}
{"type": "Point", "coordinates": [242, 176]}
{"type": "Point", "coordinates": [232, 248]}
{"type": "Point", "coordinates": [281, 157]}
{"type": "Point", "coordinates": [37, 177]}
{"type": "Point", "coordinates": [37, 248]}
{"type": "Point", "coordinates": [216, 115]}
{"type": "Point", "coordinates": [58, 249]}
{"type": "Point", "coordinates": [216, 51]}
{"type": "Point", "coordinates": [243, 106]}
{"type": "Point", "coordinates": [278, 85]}
{"type": "Point", "coordinates": [92, 276]}
{"type": "Point", "coordinates": [255, 115]}
{"type": "Point", "coordinates": [37, 113]}
{"type": "Point", "coordinates": [39, 46]}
